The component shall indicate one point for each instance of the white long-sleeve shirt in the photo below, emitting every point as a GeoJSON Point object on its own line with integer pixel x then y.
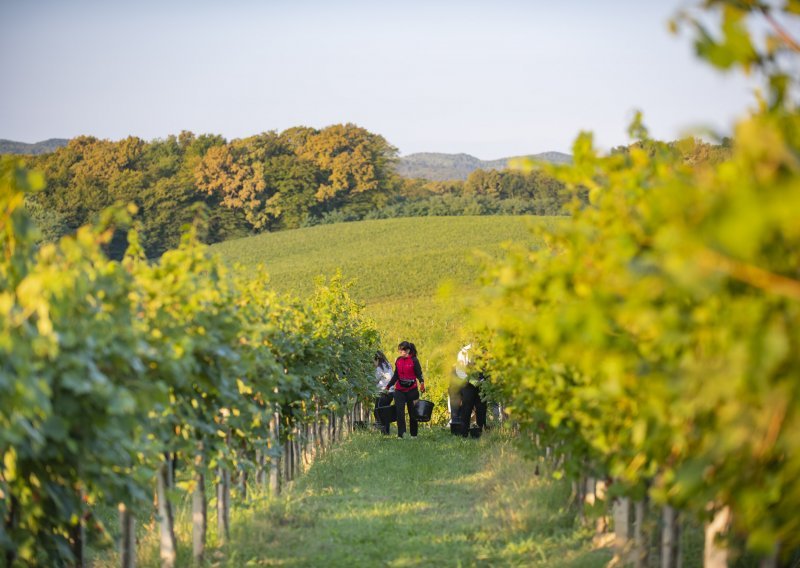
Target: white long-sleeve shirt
{"type": "Point", "coordinates": [464, 361]}
{"type": "Point", "coordinates": [383, 375]}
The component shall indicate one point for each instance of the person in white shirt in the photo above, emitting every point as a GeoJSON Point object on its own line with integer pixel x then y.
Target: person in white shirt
{"type": "Point", "coordinates": [456, 386]}
{"type": "Point", "coordinates": [464, 361]}
{"type": "Point", "coordinates": [383, 374]}
{"type": "Point", "coordinates": [470, 393]}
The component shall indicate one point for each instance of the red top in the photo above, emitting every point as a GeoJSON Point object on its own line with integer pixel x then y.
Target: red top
{"type": "Point", "coordinates": [407, 371]}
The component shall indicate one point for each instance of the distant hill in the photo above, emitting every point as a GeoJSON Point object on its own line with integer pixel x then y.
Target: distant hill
{"type": "Point", "coordinates": [44, 147]}
{"type": "Point", "coordinates": [442, 167]}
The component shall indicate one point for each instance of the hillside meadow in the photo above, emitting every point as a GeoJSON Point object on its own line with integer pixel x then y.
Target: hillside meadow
{"type": "Point", "coordinates": [412, 274]}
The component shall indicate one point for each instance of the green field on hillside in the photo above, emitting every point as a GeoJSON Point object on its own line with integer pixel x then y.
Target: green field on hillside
{"type": "Point", "coordinates": [388, 258]}
{"type": "Point", "coordinates": [397, 266]}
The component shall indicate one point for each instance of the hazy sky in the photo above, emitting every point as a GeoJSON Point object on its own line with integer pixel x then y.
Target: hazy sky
{"type": "Point", "coordinates": [492, 78]}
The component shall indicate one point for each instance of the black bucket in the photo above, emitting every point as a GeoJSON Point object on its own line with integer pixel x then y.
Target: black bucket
{"type": "Point", "coordinates": [386, 414]}
{"type": "Point", "coordinates": [424, 410]}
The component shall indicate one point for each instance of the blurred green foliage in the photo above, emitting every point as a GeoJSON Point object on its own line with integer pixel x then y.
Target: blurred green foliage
{"type": "Point", "coordinates": [655, 339]}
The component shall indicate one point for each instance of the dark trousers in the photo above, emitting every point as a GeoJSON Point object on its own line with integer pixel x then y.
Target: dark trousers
{"type": "Point", "coordinates": [454, 395]}
{"type": "Point", "coordinates": [403, 400]}
{"type": "Point", "coordinates": [471, 398]}
{"type": "Point", "coordinates": [384, 399]}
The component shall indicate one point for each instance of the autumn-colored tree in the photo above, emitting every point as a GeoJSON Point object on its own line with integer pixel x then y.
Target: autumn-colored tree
{"type": "Point", "coordinates": [297, 136]}
{"type": "Point", "coordinates": [238, 183]}
{"type": "Point", "coordinates": [482, 182]}
{"type": "Point", "coordinates": [353, 161]}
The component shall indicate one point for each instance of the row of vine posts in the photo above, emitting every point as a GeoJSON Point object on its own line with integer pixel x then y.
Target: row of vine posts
{"type": "Point", "coordinates": [292, 448]}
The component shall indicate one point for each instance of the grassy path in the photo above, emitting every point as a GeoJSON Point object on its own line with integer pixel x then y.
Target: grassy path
{"type": "Point", "coordinates": [434, 501]}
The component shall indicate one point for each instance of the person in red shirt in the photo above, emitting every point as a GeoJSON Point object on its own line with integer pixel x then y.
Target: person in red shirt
{"type": "Point", "coordinates": [408, 383]}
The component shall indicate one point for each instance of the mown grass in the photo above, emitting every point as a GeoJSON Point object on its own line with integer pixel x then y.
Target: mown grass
{"type": "Point", "coordinates": [435, 501]}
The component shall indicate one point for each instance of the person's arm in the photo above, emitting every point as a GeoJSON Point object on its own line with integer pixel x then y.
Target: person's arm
{"type": "Point", "coordinates": [462, 364]}
{"type": "Point", "coordinates": [394, 377]}
{"type": "Point", "coordinates": [418, 373]}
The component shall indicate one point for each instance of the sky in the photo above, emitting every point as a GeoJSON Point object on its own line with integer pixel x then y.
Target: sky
{"type": "Point", "coordinates": [488, 78]}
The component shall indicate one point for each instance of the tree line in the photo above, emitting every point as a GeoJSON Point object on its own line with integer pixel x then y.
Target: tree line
{"type": "Point", "coordinates": [269, 182]}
